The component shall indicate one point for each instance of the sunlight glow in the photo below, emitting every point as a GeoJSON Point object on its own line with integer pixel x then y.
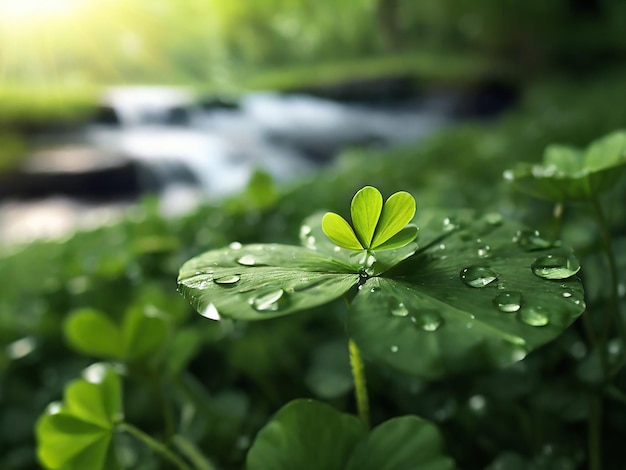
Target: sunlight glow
{"type": "Point", "coordinates": [24, 9]}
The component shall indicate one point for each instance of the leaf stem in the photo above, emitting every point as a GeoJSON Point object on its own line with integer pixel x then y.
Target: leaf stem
{"type": "Point", "coordinates": [360, 385]}
{"type": "Point", "coordinates": [558, 210]}
{"type": "Point", "coordinates": [155, 445]}
{"type": "Point", "coordinates": [595, 430]}
{"type": "Point", "coordinates": [191, 451]}
{"type": "Point", "coordinates": [608, 249]}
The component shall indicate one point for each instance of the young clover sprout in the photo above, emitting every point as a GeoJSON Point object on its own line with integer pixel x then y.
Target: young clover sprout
{"type": "Point", "coordinates": [375, 226]}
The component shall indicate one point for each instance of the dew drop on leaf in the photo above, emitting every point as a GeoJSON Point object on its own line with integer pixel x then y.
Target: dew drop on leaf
{"type": "Point", "coordinates": [211, 312]}
{"type": "Point", "coordinates": [566, 294]}
{"type": "Point", "coordinates": [427, 320]}
{"type": "Point", "coordinates": [555, 267]}
{"type": "Point", "coordinates": [533, 316]}
{"type": "Point", "coordinates": [270, 302]}
{"type": "Point", "coordinates": [493, 218]}
{"type": "Point", "coordinates": [235, 246]}
{"type": "Point", "coordinates": [508, 301]}
{"type": "Point", "coordinates": [484, 251]}
{"type": "Point", "coordinates": [399, 310]}
{"type": "Point", "coordinates": [531, 240]}
{"type": "Point", "coordinates": [246, 260]}
{"type": "Point", "coordinates": [477, 276]}
{"type": "Point", "coordinates": [394, 349]}
{"type": "Point", "coordinates": [227, 280]}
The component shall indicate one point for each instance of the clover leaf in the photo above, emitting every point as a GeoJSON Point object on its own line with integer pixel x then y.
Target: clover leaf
{"type": "Point", "coordinates": [377, 226]}
{"type": "Point", "coordinates": [571, 174]}
{"type": "Point", "coordinates": [93, 333]}
{"type": "Point", "coordinates": [479, 292]}
{"type": "Point", "coordinates": [78, 433]}
{"type": "Point", "coordinates": [337, 441]}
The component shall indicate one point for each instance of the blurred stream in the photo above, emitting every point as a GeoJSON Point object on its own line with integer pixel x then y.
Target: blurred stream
{"type": "Point", "coordinates": [167, 141]}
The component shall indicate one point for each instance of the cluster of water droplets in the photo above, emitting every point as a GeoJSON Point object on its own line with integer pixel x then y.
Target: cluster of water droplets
{"type": "Point", "coordinates": [424, 319]}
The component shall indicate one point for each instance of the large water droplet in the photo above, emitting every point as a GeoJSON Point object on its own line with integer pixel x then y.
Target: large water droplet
{"type": "Point", "coordinates": [211, 313]}
{"type": "Point", "coordinates": [531, 240]}
{"type": "Point", "coordinates": [247, 260]}
{"type": "Point", "coordinates": [508, 301]}
{"type": "Point", "coordinates": [235, 246]}
{"type": "Point", "coordinates": [555, 267]}
{"type": "Point", "coordinates": [533, 316]}
{"type": "Point", "coordinates": [427, 320]}
{"type": "Point", "coordinates": [399, 310]}
{"type": "Point", "coordinates": [227, 280]}
{"type": "Point", "coordinates": [270, 302]}
{"type": "Point", "coordinates": [477, 276]}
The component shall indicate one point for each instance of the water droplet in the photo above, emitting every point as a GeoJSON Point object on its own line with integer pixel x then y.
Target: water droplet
{"type": "Point", "coordinates": [270, 302]}
{"type": "Point", "coordinates": [399, 310]}
{"type": "Point", "coordinates": [310, 241]}
{"type": "Point", "coordinates": [227, 280]}
{"type": "Point", "coordinates": [211, 313]}
{"type": "Point", "coordinates": [484, 251]}
{"type": "Point", "coordinates": [508, 301]}
{"type": "Point", "coordinates": [442, 246]}
{"type": "Point", "coordinates": [449, 224]}
{"type": "Point", "coordinates": [477, 276]}
{"type": "Point", "coordinates": [21, 348]}
{"type": "Point", "coordinates": [555, 267]}
{"type": "Point", "coordinates": [374, 289]}
{"type": "Point", "coordinates": [493, 218]}
{"type": "Point", "coordinates": [394, 349]}
{"type": "Point", "coordinates": [305, 231]}
{"type": "Point", "coordinates": [566, 294]}
{"type": "Point", "coordinates": [508, 175]}
{"type": "Point", "coordinates": [533, 316]}
{"type": "Point", "coordinates": [235, 246]}
{"type": "Point", "coordinates": [427, 320]}
{"type": "Point", "coordinates": [247, 260]}
{"type": "Point", "coordinates": [531, 240]}
{"type": "Point", "coordinates": [477, 403]}
{"type": "Point", "coordinates": [337, 249]}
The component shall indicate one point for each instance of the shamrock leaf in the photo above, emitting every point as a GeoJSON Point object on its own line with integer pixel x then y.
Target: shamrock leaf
{"type": "Point", "coordinates": [337, 441]}
{"type": "Point", "coordinates": [480, 292]}
{"type": "Point", "coordinates": [572, 174]}
{"type": "Point", "coordinates": [376, 226]}
{"type": "Point", "coordinates": [78, 432]}
{"type": "Point", "coordinates": [93, 333]}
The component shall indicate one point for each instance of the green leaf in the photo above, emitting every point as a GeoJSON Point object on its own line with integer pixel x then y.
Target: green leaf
{"type": "Point", "coordinates": [78, 433]}
{"type": "Point", "coordinates": [312, 237]}
{"type": "Point", "coordinates": [144, 331]}
{"type": "Point", "coordinates": [468, 301]}
{"type": "Point", "coordinates": [365, 211]}
{"type": "Point", "coordinates": [255, 282]}
{"type": "Point", "coordinates": [401, 443]}
{"type": "Point", "coordinates": [400, 239]}
{"type": "Point", "coordinates": [306, 435]}
{"type": "Point", "coordinates": [571, 174]}
{"type": "Point", "coordinates": [92, 333]}
{"type": "Point", "coordinates": [309, 435]}
{"type": "Point", "coordinates": [398, 211]}
{"type": "Point", "coordinates": [340, 232]}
